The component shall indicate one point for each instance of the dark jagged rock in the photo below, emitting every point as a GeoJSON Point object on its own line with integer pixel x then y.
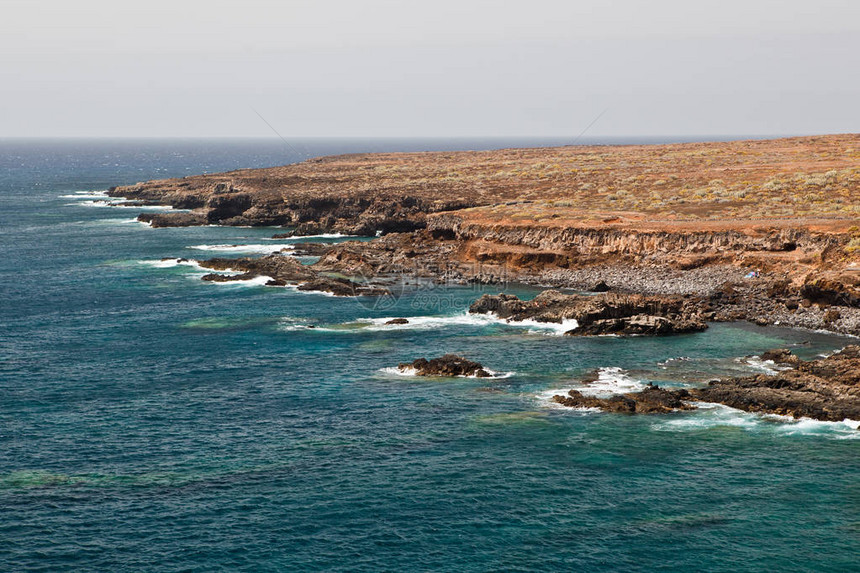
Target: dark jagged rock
{"type": "Point", "coordinates": [830, 292]}
{"type": "Point", "coordinates": [341, 287]}
{"type": "Point", "coordinates": [600, 287]}
{"type": "Point", "coordinates": [447, 365]}
{"type": "Point", "coordinates": [397, 321]}
{"type": "Point", "coordinates": [192, 219]}
{"type": "Point", "coordinates": [639, 325]}
{"type": "Point", "coordinates": [651, 400]}
{"type": "Point", "coordinates": [608, 313]}
{"type": "Point", "coordinates": [223, 207]}
{"type": "Point", "coordinates": [780, 356]}
{"type": "Point", "coordinates": [309, 249]}
{"type": "Point", "coordinates": [276, 266]}
{"type": "Point", "coordinates": [285, 270]}
{"type": "Point", "coordinates": [218, 278]}
{"type": "Point", "coordinates": [827, 389]}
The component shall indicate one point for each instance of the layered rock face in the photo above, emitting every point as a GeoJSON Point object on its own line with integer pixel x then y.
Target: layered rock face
{"type": "Point", "coordinates": [448, 365]}
{"type": "Point", "coordinates": [607, 313]}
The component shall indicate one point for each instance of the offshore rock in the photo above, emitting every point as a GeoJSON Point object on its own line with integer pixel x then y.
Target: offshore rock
{"type": "Point", "coordinates": [651, 400]}
{"type": "Point", "coordinates": [448, 365]}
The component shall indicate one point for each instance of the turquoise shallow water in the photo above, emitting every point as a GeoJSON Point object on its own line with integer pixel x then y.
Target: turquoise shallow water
{"type": "Point", "coordinates": [150, 421]}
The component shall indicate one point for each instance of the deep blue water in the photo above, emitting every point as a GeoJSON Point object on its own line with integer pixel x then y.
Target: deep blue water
{"type": "Point", "coordinates": [153, 422]}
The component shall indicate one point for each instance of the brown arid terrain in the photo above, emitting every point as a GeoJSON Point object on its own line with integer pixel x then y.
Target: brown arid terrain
{"type": "Point", "coordinates": [686, 219]}
{"type": "Point", "coordinates": [766, 231]}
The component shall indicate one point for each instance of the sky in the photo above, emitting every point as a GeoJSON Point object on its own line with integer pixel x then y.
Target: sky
{"type": "Point", "coordinates": [446, 68]}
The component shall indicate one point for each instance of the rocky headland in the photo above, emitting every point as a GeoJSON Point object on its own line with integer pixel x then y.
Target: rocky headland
{"type": "Point", "coordinates": [766, 229]}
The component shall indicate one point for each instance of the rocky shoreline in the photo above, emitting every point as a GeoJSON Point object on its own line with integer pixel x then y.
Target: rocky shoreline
{"type": "Point", "coordinates": [671, 236]}
{"type": "Point", "coordinates": [827, 389]}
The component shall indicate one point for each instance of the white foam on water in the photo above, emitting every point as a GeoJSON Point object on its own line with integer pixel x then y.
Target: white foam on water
{"type": "Point", "coordinates": [260, 280]}
{"type": "Point", "coordinates": [320, 236]}
{"type": "Point", "coordinates": [410, 371]}
{"type": "Point", "coordinates": [707, 415]}
{"type": "Point", "coordinates": [396, 371]}
{"type": "Point", "coordinates": [425, 322]}
{"type": "Point", "coordinates": [116, 222]}
{"type": "Point", "coordinates": [289, 325]}
{"type": "Point", "coordinates": [117, 204]}
{"type": "Point", "coordinates": [170, 263]}
{"type": "Point", "coordinates": [295, 288]}
{"type": "Point", "coordinates": [85, 195]}
{"type": "Point", "coordinates": [557, 328]}
{"type": "Point", "coordinates": [611, 380]}
{"type": "Point", "coordinates": [766, 366]}
{"type": "Point", "coordinates": [845, 430]}
{"type": "Point", "coordinates": [466, 319]}
{"type": "Point", "coordinates": [494, 375]}
{"type": "Point", "coordinates": [711, 415]}
{"type": "Point", "coordinates": [262, 249]}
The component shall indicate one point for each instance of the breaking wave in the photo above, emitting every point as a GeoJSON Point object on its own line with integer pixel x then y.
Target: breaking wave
{"type": "Point", "coordinates": [465, 319]}
{"type": "Point", "coordinates": [258, 248]}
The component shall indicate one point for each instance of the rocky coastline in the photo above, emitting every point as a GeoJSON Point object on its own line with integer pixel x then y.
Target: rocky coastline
{"type": "Point", "coordinates": [449, 365]}
{"type": "Point", "coordinates": [670, 236]}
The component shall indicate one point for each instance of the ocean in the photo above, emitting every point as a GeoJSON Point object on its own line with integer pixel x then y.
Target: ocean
{"type": "Point", "coordinates": [151, 421]}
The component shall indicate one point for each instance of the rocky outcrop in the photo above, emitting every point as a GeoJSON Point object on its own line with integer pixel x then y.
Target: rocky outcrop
{"type": "Point", "coordinates": [448, 365]}
{"type": "Point", "coordinates": [780, 356]}
{"type": "Point", "coordinates": [826, 389]}
{"type": "Point", "coordinates": [286, 270]}
{"type": "Point", "coordinates": [190, 219]}
{"type": "Point", "coordinates": [280, 267]}
{"type": "Point", "coordinates": [652, 400]}
{"type": "Point", "coordinates": [608, 313]}
{"type": "Point", "coordinates": [342, 287]}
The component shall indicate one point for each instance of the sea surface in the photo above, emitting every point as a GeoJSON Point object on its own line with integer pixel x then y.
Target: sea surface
{"type": "Point", "coordinates": [150, 421]}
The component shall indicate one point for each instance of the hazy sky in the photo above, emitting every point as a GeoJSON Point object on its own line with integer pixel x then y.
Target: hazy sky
{"type": "Point", "coordinates": [434, 68]}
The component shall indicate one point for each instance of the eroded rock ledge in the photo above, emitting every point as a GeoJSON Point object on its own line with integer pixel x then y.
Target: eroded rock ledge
{"type": "Point", "coordinates": [605, 313]}
{"type": "Point", "coordinates": [826, 389]}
